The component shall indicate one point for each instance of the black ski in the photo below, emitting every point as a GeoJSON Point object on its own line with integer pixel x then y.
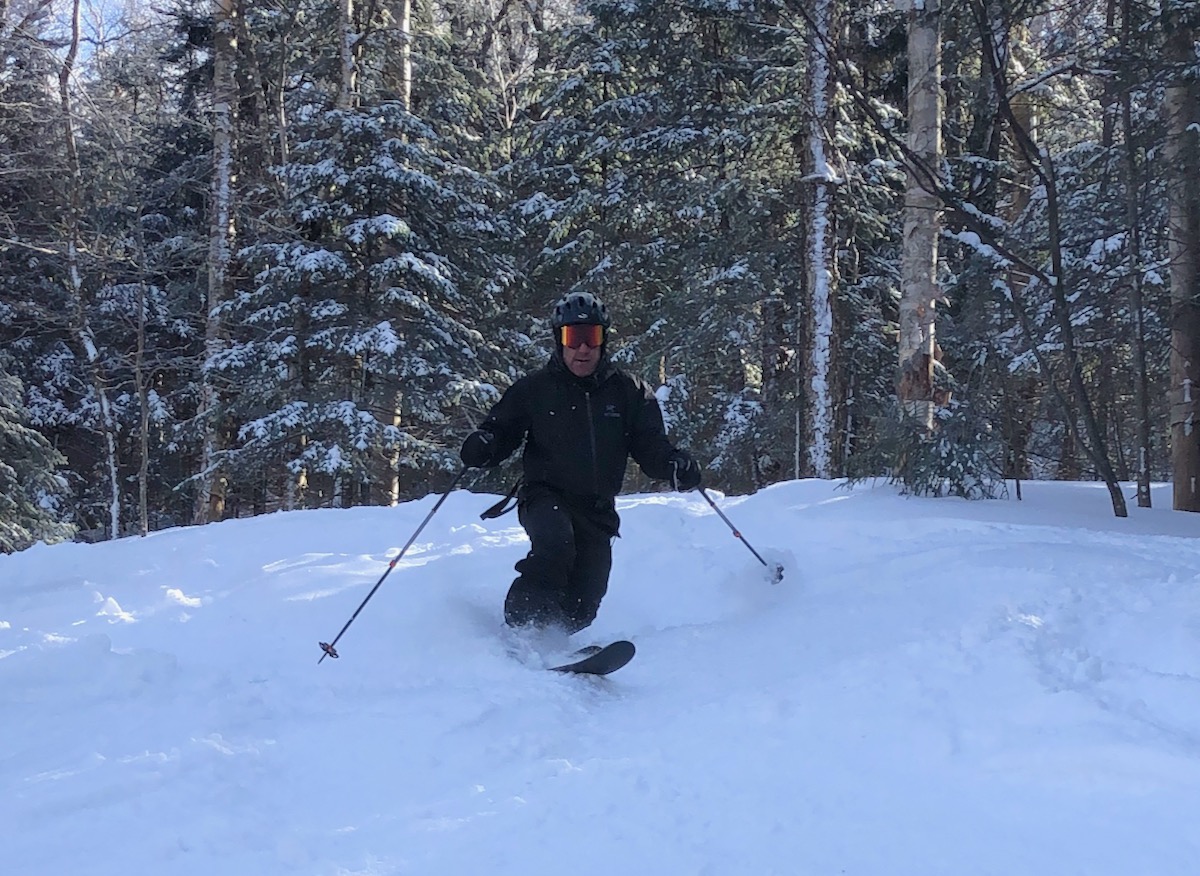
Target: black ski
{"type": "Point", "coordinates": [608, 659]}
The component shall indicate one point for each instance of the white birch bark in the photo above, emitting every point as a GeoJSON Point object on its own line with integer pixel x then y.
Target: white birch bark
{"type": "Point", "coordinates": [406, 73]}
{"type": "Point", "coordinates": [348, 86]}
{"type": "Point", "coordinates": [210, 498]}
{"type": "Point", "coordinates": [822, 251]}
{"type": "Point", "coordinates": [81, 327]}
{"type": "Point", "coordinates": [922, 213]}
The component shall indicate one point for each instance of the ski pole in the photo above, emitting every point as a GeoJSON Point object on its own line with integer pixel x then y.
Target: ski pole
{"type": "Point", "coordinates": [328, 647]}
{"type": "Point", "coordinates": [777, 571]}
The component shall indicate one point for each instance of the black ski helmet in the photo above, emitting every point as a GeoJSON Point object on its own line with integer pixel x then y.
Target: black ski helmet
{"type": "Point", "coordinates": [580, 308]}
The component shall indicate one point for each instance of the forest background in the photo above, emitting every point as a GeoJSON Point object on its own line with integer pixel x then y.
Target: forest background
{"type": "Point", "coordinates": [274, 254]}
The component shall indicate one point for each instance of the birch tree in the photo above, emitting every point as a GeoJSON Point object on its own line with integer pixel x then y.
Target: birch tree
{"type": "Point", "coordinates": [406, 70]}
{"type": "Point", "coordinates": [347, 46]}
{"type": "Point", "coordinates": [210, 493]}
{"type": "Point", "coordinates": [821, 264]}
{"type": "Point", "coordinates": [81, 323]}
{"type": "Point", "coordinates": [922, 214]}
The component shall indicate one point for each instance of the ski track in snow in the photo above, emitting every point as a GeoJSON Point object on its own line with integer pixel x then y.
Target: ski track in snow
{"type": "Point", "coordinates": [936, 687]}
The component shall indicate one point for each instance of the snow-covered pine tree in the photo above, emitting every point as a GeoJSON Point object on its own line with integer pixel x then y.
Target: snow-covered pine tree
{"type": "Point", "coordinates": [367, 309]}
{"type": "Point", "coordinates": [866, 59]}
{"type": "Point", "coordinates": [1056, 222]}
{"type": "Point", "coordinates": [68, 237]}
{"type": "Point", "coordinates": [650, 180]}
{"type": "Point", "coordinates": [31, 492]}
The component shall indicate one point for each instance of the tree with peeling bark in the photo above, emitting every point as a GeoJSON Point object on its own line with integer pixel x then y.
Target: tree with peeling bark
{"type": "Point", "coordinates": [821, 265]}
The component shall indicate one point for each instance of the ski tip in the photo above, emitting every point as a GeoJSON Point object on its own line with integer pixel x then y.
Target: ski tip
{"type": "Point", "coordinates": [607, 660]}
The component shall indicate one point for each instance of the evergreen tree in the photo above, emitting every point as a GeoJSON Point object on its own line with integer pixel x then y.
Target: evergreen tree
{"type": "Point", "coordinates": [31, 492]}
{"type": "Point", "coordinates": [418, 182]}
{"type": "Point", "coordinates": [645, 182]}
{"type": "Point", "coordinates": [357, 338]}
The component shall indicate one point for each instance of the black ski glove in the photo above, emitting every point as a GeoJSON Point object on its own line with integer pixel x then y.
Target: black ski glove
{"type": "Point", "coordinates": [685, 472]}
{"type": "Point", "coordinates": [477, 449]}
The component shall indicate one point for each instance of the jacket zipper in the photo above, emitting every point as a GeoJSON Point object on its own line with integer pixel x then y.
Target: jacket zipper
{"type": "Point", "coordinates": [587, 397]}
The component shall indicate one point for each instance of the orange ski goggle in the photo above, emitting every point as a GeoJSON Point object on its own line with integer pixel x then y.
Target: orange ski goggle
{"type": "Point", "coordinates": [575, 336]}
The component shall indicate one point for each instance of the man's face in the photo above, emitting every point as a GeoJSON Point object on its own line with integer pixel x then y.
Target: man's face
{"type": "Point", "coordinates": [581, 359]}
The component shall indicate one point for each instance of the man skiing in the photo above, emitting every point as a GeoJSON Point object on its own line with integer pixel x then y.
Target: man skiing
{"type": "Point", "coordinates": [581, 418]}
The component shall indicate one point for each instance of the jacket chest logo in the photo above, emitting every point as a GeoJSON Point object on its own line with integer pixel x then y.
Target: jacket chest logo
{"type": "Point", "coordinates": [610, 410]}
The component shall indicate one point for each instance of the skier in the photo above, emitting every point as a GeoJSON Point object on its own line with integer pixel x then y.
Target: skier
{"type": "Point", "coordinates": [581, 419]}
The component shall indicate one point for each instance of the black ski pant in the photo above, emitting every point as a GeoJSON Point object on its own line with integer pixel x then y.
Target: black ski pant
{"type": "Point", "coordinates": [565, 574]}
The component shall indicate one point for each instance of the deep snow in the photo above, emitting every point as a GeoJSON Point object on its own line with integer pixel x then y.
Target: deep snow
{"type": "Point", "coordinates": [936, 687]}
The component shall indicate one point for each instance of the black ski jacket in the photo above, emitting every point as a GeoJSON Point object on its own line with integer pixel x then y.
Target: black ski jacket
{"type": "Point", "coordinates": [579, 432]}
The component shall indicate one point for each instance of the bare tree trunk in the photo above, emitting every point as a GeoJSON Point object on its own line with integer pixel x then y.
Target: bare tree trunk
{"type": "Point", "coordinates": [141, 382]}
{"type": "Point", "coordinates": [406, 100]}
{"type": "Point", "coordinates": [293, 483]}
{"type": "Point", "coordinates": [81, 325]}
{"type": "Point", "coordinates": [777, 362]}
{"type": "Point", "coordinates": [143, 390]}
{"type": "Point", "coordinates": [210, 493]}
{"type": "Point", "coordinates": [397, 420]}
{"type": "Point", "coordinates": [1181, 106]}
{"type": "Point", "coordinates": [348, 84]}
{"type": "Point", "coordinates": [1141, 380]}
{"type": "Point", "coordinates": [822, 252]}
{"type": "Point", "coordinates": [406, 73]}
{"type": "Point", "coordinates": [922, 214]}
{"type": "Point", "coordinates": [1105, 368]}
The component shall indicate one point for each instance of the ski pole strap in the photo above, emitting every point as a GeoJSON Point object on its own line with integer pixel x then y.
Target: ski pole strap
{"type": "Point", "coordinates": [504, 505]}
